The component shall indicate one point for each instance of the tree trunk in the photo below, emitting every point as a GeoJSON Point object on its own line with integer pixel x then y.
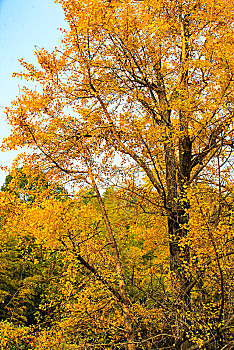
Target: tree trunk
{"type": "Point", "coordinates": [122, 286]}
{"type": "Point", "coordinates": [177, 205]}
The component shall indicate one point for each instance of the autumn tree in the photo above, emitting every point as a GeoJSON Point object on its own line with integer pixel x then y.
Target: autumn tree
{"type": "Point", "coordinates": [26, 265]}
{"type": "Point", "coordinates": [61, 273]}
{"type": "Point", "coordinates": [152, 82]}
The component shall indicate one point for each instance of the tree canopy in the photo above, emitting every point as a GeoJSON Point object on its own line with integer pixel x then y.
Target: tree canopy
{"type": "Point", "coordinates": [138, 99]}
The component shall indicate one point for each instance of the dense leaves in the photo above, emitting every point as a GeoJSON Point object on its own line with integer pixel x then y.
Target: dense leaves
{"type": "Point", "coordinates": [135, 110]}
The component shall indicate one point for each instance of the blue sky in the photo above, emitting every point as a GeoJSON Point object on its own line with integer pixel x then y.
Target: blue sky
{"type": "Point", "coordinates": [23, 24]}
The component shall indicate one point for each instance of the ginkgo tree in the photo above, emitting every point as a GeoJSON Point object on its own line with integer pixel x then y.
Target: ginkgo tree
{"type": "Point", "coordinates": [151, 82]}
{"type": "Point", "coordinates": [65, 239]}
